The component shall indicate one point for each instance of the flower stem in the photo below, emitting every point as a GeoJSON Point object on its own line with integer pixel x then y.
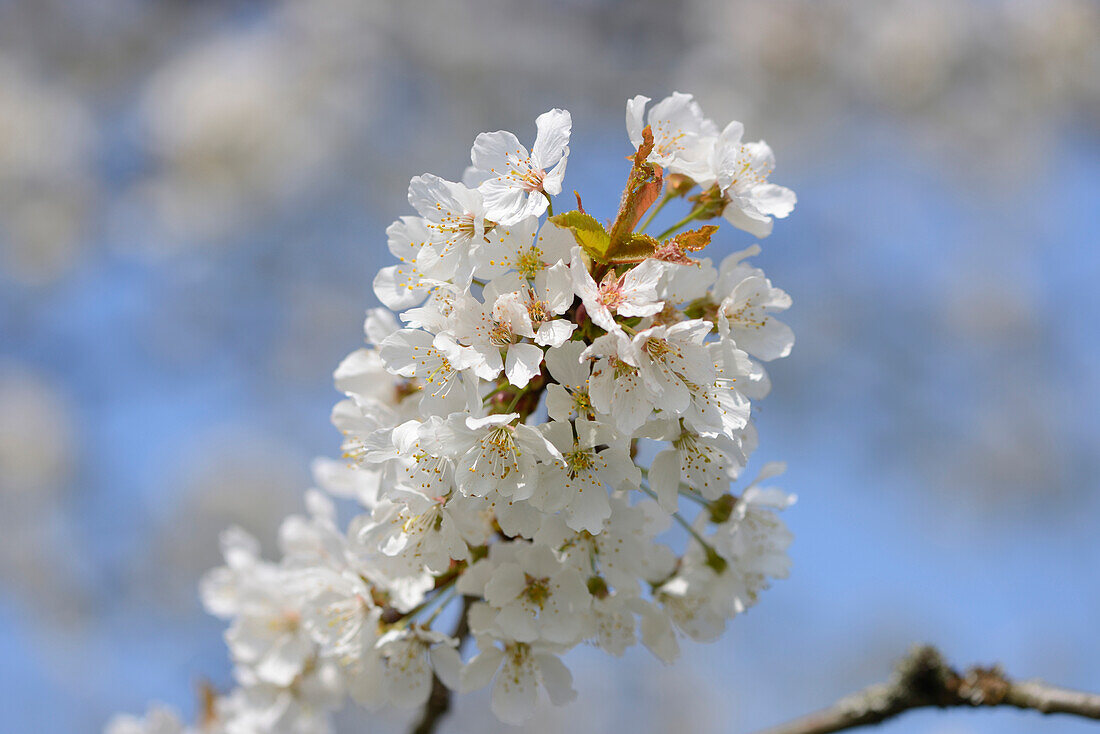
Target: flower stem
{"type": "Point", "coordinates": [446, 596]}
{"type": "Point", "coordinates": [686, 491]}
{"type": "Point", "coordinates": [442, 589]}
{"type": "Point", "coordinates": [682, 223]}
{"type": "Point", "coordinates": [515, 401]}
{"type": "Point", "coordinates": [687, 526]}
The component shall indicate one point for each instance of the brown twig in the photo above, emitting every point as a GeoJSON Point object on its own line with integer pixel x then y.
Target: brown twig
{"type": "Point", "coordinates": [439, 700]}
{"type": "Point", "coordinates": [923, 679]}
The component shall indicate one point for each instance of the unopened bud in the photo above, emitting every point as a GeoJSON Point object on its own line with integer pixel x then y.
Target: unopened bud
{"type": "Point", "coordinates": [677, 184]}
{"type": "Point", "coordinates": [721, 508]}
{"type": "Point", "coordinates": [597, 587]}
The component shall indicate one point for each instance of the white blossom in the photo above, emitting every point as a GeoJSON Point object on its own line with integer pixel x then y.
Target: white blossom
{"type": "Point", "coordinates": [528, 416]}
{"type": "Point", "coordinates": [520, 669]}
{"type": "Point", "coordinates": [524, 247]}
{"type": "Point", "coordinates": [742, 171]}
{"type": "Point", "coordinates": [514, 181]}
{"type": "Point", "coordinates": [593, 458]}
{"type": "Point", "coordinates": [496, 457]}
{"type": "Point", "coordinates": [682, 136]}
{"type": "Point", "coordinates": [455, 219]}
{"type": "Point", "coordinates": [633, 294]}
{"type": "Point", "coordinates": [533, 594]}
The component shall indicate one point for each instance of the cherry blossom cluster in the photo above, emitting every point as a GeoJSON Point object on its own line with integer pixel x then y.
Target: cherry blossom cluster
{"type": "Point", "coordinates": [541, 399]}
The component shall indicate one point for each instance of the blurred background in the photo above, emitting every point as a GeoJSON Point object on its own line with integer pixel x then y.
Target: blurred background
{"type": "Point", "coordinates": [192, 203]}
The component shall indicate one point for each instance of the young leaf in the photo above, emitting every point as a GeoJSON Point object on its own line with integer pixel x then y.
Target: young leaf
{"type": "Point", "coordinates": [643, 186]}
{"type": "Point", "coordinates": [634, 250]}
{"type": "Point", "coordinates": [587, 231]}
{"type": "Point", "coordinates": [674, 251]}
{"type": "Point", "coordinates": [695, 239]}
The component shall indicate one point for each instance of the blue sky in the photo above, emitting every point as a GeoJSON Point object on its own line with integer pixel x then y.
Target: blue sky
{"type": "Point", "coordinates": [903, 532]}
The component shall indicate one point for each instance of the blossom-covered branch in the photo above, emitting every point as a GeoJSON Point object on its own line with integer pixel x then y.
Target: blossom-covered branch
{"type": "Point", "coordinates": [924, 679]}
{"type": "Point", "coordinates": [542, 396]}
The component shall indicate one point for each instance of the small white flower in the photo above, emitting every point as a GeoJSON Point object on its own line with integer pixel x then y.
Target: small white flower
{"type": "Point", "coordinates": [534, 595]}
{"type": "Point", "coordinates": [741, 171]}
{"type": "Point", "coordinates": [754, 539]}
{"type": "Point", "coordinates": [524, 248]}
{"type": "Point", "coordinates": [442, 366]}
{"type": "Point", "coordinates": [417, 529]}
{"type": "Point", "coordinates": [515, 181]}
{"type": "Point", "coordinates": [622, 554]}
{"type": "Point", "coordinates": [338, 612]}
{"type": "Point", "coordinates": [256, 707]}
{"type": "Point", "coordinates": [568, 398]}
{"type": "Point", "coordinates": [408, 659]}
{"type": "Point", "coordinates": [746, 313]}
{"type": "Point", "coordinates": [520, 669]}
{"type": "Point", "coordinates": [404, 285]}
{"type": "Point", "coordinates": [497, 457]}
{"type": "Point", "coordinates": [682, 137]}
{"type": "Point", "coordinates": [672, 361]}
{"type": "Point", "coordinates": [616, 387]}
{"type": "Point", "coordinates": [266, 633]}
{"type": "Point", "coordinates": [593, 458]}
{"type": "Point", "coordinates": [723, 405]}
{"type": "Point", "coordinates": [691, 599]}
{"type": "Point", "coordinates": [632, 294]}
{"type": "Point", "coordinates": [455, 219]}
{"type": "Point", "coordinates": [703, 462]}
{"type": "Point", "coordinates": [500, 324]}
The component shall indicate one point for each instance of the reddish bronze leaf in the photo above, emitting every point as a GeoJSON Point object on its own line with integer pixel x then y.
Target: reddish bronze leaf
{"type": "Point", "coordinates": [674, 251]}
{"type": "Point", "coordinates": [695, 239]}
{"type": "Point", "coordinates": [643, 186]}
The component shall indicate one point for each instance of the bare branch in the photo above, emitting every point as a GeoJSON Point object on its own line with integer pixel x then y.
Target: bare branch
{"type": "Point", "coordinates": [923, 679]}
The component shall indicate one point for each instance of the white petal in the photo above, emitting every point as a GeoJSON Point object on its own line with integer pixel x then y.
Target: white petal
{"type": "Point", "coordinates": [491, 152]}
{"type": "Point", "coordinates": [448, 665]}
{"type": "Point", "coordinates": [565, 365]}
{"type": "Point", "coordinates": [522, 364]}
{"type": "Point", "coordinates": [773, 341]}
{"type": "Point", "coordinates": [399, 288]}
{"type": "Point", "coordinates": [635, 109]}
{"type": "Point", "coordinates": [657, 633]}
{"type": "Point", "coordinates": [505, 584]}
{"type": "Point", "coordinates": [410, 676]}
{"type": "Point", "coordinates": [588, 510]}
{"type": "Point", "coordinates": [778, 201]}
{"type": "Point", "coordinates": [664, 478]}
{"type": "Point", "coordinates": [554, 333]}
{"type": "Point", "coordinates": [556, 678]}
{"type": "Point", "coordinates": [284, 661]}
{"type": "Point", "coordinates": [755, 224]}
{"type": "Point", "coordinates": [515, 692]}
{"type": "Point", "coordinates": [508, 204]}
{"type": "Point", "coordinates": [479, 671]}
{"type": "Point", "coordinates": [517, 621]}
{"type": "Point", "coordinates": [552, 141]}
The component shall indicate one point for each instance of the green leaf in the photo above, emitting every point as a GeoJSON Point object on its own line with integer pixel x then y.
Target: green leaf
{"type": "Point", "coordinates": [635, 249]}
{"type": "Point", "coordinates": [587, 231]}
